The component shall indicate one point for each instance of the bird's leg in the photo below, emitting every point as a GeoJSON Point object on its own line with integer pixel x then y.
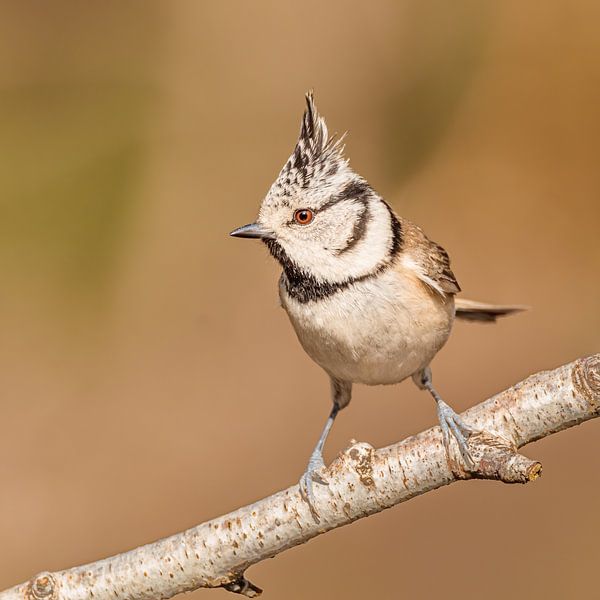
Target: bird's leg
{"type": "Point", "coordinates": [450, 421]}
{"type": "Point", "coordinates": [315, 462]}
{"type": "Point", "coordinates": [341, 392]}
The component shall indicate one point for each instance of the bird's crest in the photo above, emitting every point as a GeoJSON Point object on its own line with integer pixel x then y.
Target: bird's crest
{"type": "Point", "coordinates": [314, 148]}
{"type": "Point", "coordinates": [314, 137]}
{"type": "Point", "coordinates": [317, 161]}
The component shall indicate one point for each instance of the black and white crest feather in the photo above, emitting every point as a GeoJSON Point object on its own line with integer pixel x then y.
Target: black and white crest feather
{"type": "Point", "coordinates": [314, 140]}
{"type": "Point", "coordinates": [316, 153]}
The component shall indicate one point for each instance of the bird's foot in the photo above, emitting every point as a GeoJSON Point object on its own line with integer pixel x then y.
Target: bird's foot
{"type": "Point", "coordinates": [451, 422]}
{"type": "Point", "coordinates": [312, 475]}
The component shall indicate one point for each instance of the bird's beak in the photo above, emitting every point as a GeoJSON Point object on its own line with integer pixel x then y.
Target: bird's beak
{"type": "Point", "coordinates": [252, 230]}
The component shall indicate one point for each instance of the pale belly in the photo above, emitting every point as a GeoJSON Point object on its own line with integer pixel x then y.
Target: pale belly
{"type": "Point", "coordinates": [378, 332]}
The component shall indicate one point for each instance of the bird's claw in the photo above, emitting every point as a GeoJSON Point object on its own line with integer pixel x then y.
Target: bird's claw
{"type": "Point", "coordinates": [450, 422]}
{"type": "Point", "coordinates": [313, 474]}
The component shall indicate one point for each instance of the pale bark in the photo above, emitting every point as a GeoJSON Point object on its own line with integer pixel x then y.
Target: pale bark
{"type": "Point", "coordinates": [362, 481]}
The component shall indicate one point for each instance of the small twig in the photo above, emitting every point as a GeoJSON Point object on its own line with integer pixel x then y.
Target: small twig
{"type": "Point", "coordinates": [362, 481]}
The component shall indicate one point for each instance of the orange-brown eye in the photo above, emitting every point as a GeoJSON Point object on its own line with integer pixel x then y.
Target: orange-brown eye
{"type": "Point", "coordinates": [303, 216]}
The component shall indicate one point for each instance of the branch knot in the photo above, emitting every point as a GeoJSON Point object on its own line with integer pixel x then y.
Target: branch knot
{"type": "Point", "coordinates": [360, 456]}
{"type": "Point", "coordinates": [586, 380]}
{"type": "Point", "coordinates": [42, 587]}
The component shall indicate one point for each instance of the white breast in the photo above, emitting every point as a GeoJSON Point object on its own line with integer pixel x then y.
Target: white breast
{"type": "Point", "coordinates": [378, 331]}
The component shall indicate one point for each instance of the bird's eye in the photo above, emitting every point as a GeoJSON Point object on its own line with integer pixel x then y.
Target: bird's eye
{"type": "Point", "coordinates": [303, 216]}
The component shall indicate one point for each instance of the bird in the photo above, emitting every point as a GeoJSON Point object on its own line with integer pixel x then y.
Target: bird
{"type": "Point", "coordinates": [371, 298]}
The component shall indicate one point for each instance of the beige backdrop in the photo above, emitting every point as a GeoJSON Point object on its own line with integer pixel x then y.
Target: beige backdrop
{"type": "Point", "coordinates": [149, 380]}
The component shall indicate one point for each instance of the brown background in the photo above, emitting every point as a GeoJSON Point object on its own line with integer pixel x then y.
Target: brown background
{"type": "Point", "coordinates": [149, 380]}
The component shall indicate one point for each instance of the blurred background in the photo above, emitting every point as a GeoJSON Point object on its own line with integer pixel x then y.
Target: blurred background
{"type": "Point", "coordinates": [149, 380]}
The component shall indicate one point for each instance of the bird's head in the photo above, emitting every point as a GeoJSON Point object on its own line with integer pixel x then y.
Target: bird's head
{"type": "Point", "coordinates": [320, 218]}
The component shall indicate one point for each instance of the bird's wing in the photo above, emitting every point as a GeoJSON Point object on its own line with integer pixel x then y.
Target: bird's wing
{"type": "Point", "coordinates": [438, 268]}
{"type": "Point", "coordinates": [428, 260]}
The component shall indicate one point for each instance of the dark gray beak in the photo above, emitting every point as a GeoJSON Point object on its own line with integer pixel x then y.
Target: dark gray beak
{"type": "Point", "coordinates": [252, 230]}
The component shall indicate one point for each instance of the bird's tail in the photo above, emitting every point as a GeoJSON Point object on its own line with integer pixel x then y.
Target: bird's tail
{"type": "Point", "coordinates": [470, 310]}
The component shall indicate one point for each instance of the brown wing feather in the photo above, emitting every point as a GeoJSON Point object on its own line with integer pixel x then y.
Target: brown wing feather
{"type": "Point", "coordinates": [431, 259]}
{"type": "Point", "coordinates": [439, 269]}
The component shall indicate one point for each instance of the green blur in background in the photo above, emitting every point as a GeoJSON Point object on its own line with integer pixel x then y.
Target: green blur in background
{"type": "Point", "coordinates": [149, 379]}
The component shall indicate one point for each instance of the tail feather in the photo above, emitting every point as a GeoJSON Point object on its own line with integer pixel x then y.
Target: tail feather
{"type": "Point", "coordinates": [470, 310]}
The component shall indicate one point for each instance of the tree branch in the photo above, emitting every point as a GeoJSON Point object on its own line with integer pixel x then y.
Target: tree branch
{"type": "Point", "coordinates": [362, 481]}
